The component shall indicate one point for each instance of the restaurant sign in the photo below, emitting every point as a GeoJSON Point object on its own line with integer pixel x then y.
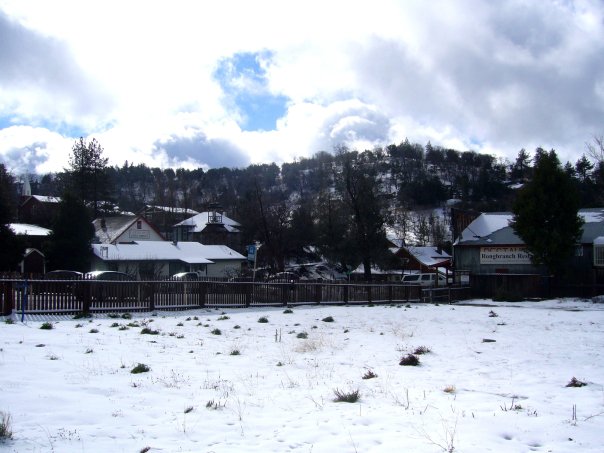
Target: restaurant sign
{"type": "Point", "coordinates": [504, 255]}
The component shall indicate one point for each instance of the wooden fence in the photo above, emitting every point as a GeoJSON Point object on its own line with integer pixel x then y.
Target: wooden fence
{"type": "Point", "coordinates": [72, 296]}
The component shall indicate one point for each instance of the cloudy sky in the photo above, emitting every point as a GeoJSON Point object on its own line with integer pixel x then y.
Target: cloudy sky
{"type": "Point", "coordinates": [229, 83]}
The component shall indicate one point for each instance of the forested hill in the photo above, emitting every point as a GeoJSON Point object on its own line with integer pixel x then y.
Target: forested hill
{"type": "Point", "coordinates": [335, 200]}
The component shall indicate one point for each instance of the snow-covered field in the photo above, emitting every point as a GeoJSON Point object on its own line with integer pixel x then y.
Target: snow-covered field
{"type": "Point", "coordinates": [71, 389]}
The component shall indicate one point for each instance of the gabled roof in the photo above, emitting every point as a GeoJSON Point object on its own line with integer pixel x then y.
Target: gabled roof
{"type": "Point", "coordinates": [429, 256]}
{"type": "Point", "coordinates": [29, 230]}
{"type": "Point", "coordinates": [115, 226]}
{"type": "Point", "coordinates": [200, 221]}
{"type": "Point", "coordinates": [493, 228]}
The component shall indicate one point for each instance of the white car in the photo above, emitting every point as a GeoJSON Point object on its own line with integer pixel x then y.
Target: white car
{"type": "Point", "coordinates": [424, 279]}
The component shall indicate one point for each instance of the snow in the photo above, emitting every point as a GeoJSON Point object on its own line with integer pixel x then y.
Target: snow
{"type": "Point", "coordinates": [27, 229]}
{"type": "Point", "coordinates": [71, 389]}
{"type": "Point", "coordinates": [486, 224]}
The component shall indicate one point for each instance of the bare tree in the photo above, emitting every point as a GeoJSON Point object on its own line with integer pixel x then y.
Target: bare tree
{"type": "Point", "coordinates": [595, 150]}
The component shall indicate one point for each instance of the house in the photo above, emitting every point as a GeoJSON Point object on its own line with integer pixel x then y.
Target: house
{"type": "Point", "coordinates": [165, 217]}
{"type": "Point", "coordinates": [423, 259]}
{"type": "Point", "coordinates": [210, 228]}
{"type": "Point", "coordinates": [488, 246]}
{"type": "Point", "coordinates": [33, 262]}
{"type": "Point", "coordinates": [124, 228]}
{"type": "Point", "coordinates": [161, 259]}
{"type": "Point", "coordinates": [38, 209]}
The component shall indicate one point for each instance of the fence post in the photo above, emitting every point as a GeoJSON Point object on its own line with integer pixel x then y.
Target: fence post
{"type": "Point", "coordinates": [203, 290]}
{"type": "Point", "coordinates": [249, 289]}
{"type": "Point", "coordinates": [390, 290]}
{"type": "Point", "coordinates": [86, 294]}
{"type": "Point", "coordinates": [369, 298]}
{"type": "Point", "coordinates": [151, 295]}
{"type": "Point", "coordinates": [7, 298]}
{"type": "Point", "coordinates": [318, 292]}
{"type": "Point", "coordinates": [345, 293]}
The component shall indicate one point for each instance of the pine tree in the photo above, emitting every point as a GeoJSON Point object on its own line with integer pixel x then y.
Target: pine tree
{"type": "Point", "coordinates": [68, 245]}
{"type": "Point", "coordinates": [87, 171]}
{"type": "Point", "coordinates": [545, 213]}
{"type": "Point", "coordinates": [11, 246]}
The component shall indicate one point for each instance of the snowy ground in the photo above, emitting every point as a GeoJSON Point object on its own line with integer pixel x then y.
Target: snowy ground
{"type": "Point", "coordinates": [70, 389]}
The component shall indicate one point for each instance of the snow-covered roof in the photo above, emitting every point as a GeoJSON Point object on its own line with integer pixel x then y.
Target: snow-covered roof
{"type": "Point", "coordinates": [173, 210]}
{"type": "Point", "coordinates": [29, 230]}
{"type": "Point", "coordinates": [493, 227]}
{"type": "Point", "coordinates": [484, 225]}
{"type": "Point", "coordinates": [46, 199]}
{"type": "Point", "coordinates": [599, 240]}
{"type": "Point", "coordinates": [200, 221]}
{"type": "Point", "coordinates": [188, 252]}
{"type": "Point", "coordinates": [429, 255]}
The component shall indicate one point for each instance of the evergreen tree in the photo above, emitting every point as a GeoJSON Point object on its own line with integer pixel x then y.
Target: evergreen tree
{"type": "Point", "coordinates": [87, 172]}
{"type": "Point", "coordinates": [11, 246]}
{"type": "Point", "coordinates": [545, 213]}
{"type": "Point", "coordinates": [68, 245]}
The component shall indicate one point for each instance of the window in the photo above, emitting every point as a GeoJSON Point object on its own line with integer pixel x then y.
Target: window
{"type": "Point", "coordinates": [579, 250]}
{"type": "Point", "coordinates": [599, 255]}
{"type": "Point", "coordinates": [139, 224]}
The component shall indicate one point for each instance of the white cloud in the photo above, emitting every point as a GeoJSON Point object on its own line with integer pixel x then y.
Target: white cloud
{"type": "Point", "coordinates": [138, 76]}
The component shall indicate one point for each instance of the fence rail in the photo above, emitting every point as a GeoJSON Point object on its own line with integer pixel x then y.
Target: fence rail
{"type": "Point", "coordinates": [72, 296]}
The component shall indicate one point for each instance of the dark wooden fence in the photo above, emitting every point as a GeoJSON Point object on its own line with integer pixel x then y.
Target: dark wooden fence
{"type": "Point", "coordinates": [72, 296]}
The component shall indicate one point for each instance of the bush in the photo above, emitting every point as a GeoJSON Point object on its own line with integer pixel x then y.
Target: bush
{"type": "Point", "coordinates": [574, 382]}
{"type": "Point", "coordinates": [369, 375]}
{"type": "Point", "coordinates": [6, 431]}
{"type": "Point", "coordinates": [328, 319]}
{"type": "Point", "coordinates": [140, 368]}
{"type": "Point", "coordinates": [9, 321]}
{"type": "Point", "coordinates": [263, 319]}
{"type": "Point", "coordinates": [94, 330]}
{"type": "Point", "coordinates": [147, 331]}
{"type": "Point", "coordinates": [223, 318]}
{"type": "Point", "coordinates": [422, 350]}
{"type": "Point", "coordinates": [302, 335]}
{"type": "Point", "coordinates": [126, 316]}
{"type": "Point", "coordinates": [288, 311]}
{"type": "Point", "coordinates": [216, 332]}
{"type": "Point", "coordinates": [492, 314]}
{"type": "Point", "coordinates": [409, 360]}
{"type": "Point", "coordinates": [235, 352]}
{"type": "Point", "coordinates": [46, 326]}
{"type": "Point", "coordinates": [346, 397]}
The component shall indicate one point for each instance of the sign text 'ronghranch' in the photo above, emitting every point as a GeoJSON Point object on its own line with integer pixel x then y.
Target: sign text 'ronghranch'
{"type": "Point", "coordinates": [504, 255]}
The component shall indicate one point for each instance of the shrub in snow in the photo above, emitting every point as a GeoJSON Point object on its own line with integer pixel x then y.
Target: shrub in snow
{"type": "Point", "coordinates": [328, 319]}
{"type": "Point", "coordinates": [346, 397]}
{"type": "Point", "coordinates": [263, 319]}
{"type": "Point", "coordinates": [6, 431]}
{"type": "Point", "coordinates": [422, 350]}
{"type": "Point", "coordinates": [216, 332]}
{"type": "Point", "coordinates": [140, 368]}
{"type": "Point", "coordinates": [409, 360]}
{"type": "Point", "coordinates": [46, 326]}
{"type": "Point", "coordinates": [369, 375]}
{"type": "Point", "coordinates": [574, 382]}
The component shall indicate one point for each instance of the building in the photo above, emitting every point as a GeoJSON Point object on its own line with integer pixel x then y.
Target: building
{"type": "Point", "coordinates": [38, 209]}
{"type": "Point", "coordinates": [210, 228]}
{"type": "Point", "coordinates": [124, 228]}
{"type": "Point", "coordinates": [165, 217]}
{"type": "Point", "coordinates": [161, 259]}
{"type": "Point", "coordinates": [489, 249]}
{"type": "Point", "coordinates": [423, 259]}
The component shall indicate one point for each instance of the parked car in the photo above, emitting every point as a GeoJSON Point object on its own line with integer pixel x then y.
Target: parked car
{"type": "Point", "coordinates": [186, 276]}
{"type": "Point", "coordinates": [284, 277]}
{"type": "Point", "coordinates": [102, 288]}
{"type": "Point", "coordinates": [61, 274]}
{"type": "Point", "coordinates": [424, 279]}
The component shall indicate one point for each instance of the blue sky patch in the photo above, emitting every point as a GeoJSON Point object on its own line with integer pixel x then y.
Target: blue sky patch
{"type": "Point", "coordinates": [243, 79]}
